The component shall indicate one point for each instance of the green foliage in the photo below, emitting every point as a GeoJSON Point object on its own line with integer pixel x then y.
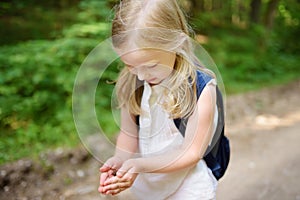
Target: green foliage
{"type": "Point", "coordinates": [35, 95]}
{"type": "Point", "coordinates": [26, 21]}
{"type": "Point", "coordinates": [37, 77]}
{"type": "Point", "coordinates": [36, 84]}
{"type": "Point", "coordinates": [93, 30]}
{"type": "Point", "coordinates": [94, 10]}
{"type": "Point", "coordinates": [250, 59]}
{"type": "Point", "coordinates": [287, 28]}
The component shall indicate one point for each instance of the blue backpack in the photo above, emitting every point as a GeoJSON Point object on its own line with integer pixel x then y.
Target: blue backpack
{"type": "Point", "coordinates": [217, 154]}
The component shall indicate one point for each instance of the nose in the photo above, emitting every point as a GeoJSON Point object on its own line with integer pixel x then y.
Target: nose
{"type": "Point", "coordinates": [142, 74]}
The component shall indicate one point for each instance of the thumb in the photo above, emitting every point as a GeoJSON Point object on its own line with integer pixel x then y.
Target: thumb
{"type": "Point", "coordinates": [105, 167]}
{"type": "Point", "coordinates": [122, 171]}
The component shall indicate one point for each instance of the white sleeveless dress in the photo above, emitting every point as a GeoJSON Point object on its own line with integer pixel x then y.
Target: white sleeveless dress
{"type": "Point", "coordinates": [158, 134]}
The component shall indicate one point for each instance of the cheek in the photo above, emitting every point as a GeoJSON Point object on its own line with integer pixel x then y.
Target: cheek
{"type": "Point", "coordinates": [163, 71]}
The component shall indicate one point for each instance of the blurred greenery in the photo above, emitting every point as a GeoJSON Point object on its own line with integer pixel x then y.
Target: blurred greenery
{"type": "Point", "coordinates": [43, 44]}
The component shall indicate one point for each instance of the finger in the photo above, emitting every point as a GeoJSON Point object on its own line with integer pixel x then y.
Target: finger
{"type": "Point", "coordinates": [124, 185]}
{"type": "Point", "coordinates": [114, 189]}
{"type": "Point", "coordinates": [122, 171]}
{"type": "Point", "coordinates": [111, 180]}
{"type": "Point", "coordinates": [114, 192]}
{"type": "Point", "coordinates": [103, 177]}
{"type": "Point", "coordinates": [109, 189]}
{"type": "Point", "coordinates": [104, 168]}
{"type": "Point", "coordinates": [128, 176]}
{"type": "Point", "coordinates": [107, 165]}
{"type": "Point", "coordinates": [101, 189]}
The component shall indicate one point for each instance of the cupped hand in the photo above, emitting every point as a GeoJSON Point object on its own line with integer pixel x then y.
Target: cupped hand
{"type": "Point", "coordinates": [113, 163]}
{"type": "Point", "coordinates": [114, 185]}
{"type": "Point", "coordinates": [108, 170]}
{"type": "Point", "coordinates": [128, 169]}
{"type": "Point", "coordinates": [123, 180]}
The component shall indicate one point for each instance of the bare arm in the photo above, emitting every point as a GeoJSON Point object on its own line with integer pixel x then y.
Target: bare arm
{"type": "Point", "coordinates": [197, 137]}
{"type": "Point", "coordinates": [127, 142]}
{"type": "Point", "coordinates": [126, 146]}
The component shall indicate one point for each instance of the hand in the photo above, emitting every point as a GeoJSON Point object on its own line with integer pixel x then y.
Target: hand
{"type": "Point", "coordinates": [108, 170]}
{"type": "Point", "coordinates": [126, 176]}
{"type": "Point", "coordinates": [113, 163]}
{"type": "Point", "coordinates": [129, 168]}
{"type": "Point", "coordinates": [114, 185]}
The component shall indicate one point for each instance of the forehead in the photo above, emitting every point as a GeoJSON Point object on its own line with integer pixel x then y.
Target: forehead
{"type": "Point", "coordinates": [138, 57]}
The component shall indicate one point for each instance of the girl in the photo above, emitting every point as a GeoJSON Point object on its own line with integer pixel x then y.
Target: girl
{"type": "Point", "coordinates": [158, 85]}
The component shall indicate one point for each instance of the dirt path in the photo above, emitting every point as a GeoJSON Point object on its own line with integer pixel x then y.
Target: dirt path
{"type": "Point", "coordinates": [264, 165]}
{"type": "Point", "coordinates": [264, 131]}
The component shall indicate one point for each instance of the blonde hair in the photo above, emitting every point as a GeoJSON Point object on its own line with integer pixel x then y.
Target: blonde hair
{"type": "Point", "coordinates": [157, 24]}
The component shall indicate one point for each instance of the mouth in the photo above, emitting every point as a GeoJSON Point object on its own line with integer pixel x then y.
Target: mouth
{"type": "Point", "coordinates": [151, 80]}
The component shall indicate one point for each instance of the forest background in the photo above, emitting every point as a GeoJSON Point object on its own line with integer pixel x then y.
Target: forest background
{"type": "Point", "coordinates": [254, 43]}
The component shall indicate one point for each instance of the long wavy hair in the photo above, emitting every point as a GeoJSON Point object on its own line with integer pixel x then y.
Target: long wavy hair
{"type": "Point", "coordinates": [156, 24]}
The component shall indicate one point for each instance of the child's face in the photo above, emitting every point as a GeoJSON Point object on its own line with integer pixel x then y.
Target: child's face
{"type": "Point", "coordinates": [150, 65]}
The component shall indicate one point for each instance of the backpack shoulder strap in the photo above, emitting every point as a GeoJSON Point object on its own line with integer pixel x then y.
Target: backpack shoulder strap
{"type": "Point", "coordinates": [201, 80]}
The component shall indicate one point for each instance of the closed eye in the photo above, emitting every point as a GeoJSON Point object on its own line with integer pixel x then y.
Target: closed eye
{"type": "Point", "coordinates": [152, 66]}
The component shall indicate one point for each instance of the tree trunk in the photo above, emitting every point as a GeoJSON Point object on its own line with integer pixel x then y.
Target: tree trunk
{"type": "Point", "coordinates": [270, 13]}
{"type": "Point", "coordinates": [197, 6]}
{"type": "Point", "coordinates": [227, 8]}
{"type": "Point", "coordinates": [255, 11]}
{"type": "Point", "coordinates": [217, 4]}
